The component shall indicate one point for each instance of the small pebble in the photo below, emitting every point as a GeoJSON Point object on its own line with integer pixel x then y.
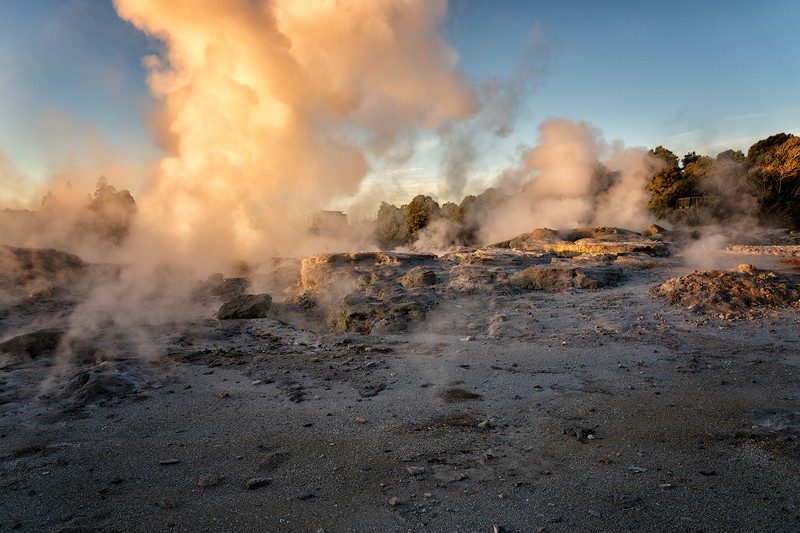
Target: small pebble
{"type": "Point", "coordinates": [256, 483]}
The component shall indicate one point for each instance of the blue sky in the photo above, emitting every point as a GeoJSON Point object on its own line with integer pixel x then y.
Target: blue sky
{"type": "Point", "coordinates": [702, 75]}
{"type": "Point", "coordinates": [683, 74]}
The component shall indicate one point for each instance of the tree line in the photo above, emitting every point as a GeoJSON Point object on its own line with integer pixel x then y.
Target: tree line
{"type": "Point", "coordinates": [762, 185]}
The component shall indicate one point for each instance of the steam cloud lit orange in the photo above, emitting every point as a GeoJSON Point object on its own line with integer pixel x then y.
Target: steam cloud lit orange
{"type": "Point", "coordinates": [271, 108]}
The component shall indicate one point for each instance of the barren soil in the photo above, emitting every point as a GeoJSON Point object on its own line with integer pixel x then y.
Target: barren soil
{"type": "Point", "coordinates": [492, 407]}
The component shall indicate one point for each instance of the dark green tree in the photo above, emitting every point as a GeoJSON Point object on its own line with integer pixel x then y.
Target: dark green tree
{"type": "Point", "coordinates": [736, 156]}
{"type": "Point", "coordinates": [420, 212]}
{"type": "Point", "coordinates": [391, 229]}
{"type": "Point", "coordinates": [689, 158]}
{"type": "Point", "coordinates": [668, 183]}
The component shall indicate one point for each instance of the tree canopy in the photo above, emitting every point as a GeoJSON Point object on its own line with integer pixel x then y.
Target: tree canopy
{"type": "Point", "coordinates": [764, 184]}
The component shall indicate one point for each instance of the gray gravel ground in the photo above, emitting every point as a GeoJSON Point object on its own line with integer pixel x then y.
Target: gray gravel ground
{"type": "Point", "coordinates": [592, 411]}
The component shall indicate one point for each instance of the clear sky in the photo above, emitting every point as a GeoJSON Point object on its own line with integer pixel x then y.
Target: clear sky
{"type": "Point", "coordinates": [702, 75]}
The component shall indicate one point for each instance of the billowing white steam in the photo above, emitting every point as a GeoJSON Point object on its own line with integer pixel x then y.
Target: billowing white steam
{"type": "Point", "coordinates": [271, 107]}
{"type": "Point", "coordinates": [561, 188]}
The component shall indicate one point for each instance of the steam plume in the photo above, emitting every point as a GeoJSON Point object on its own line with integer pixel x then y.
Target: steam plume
{"type": "Point", "coordinates": [269, 108]}
{"type": "Point", "coordinates": [572, 178]}
{"type": "Point", "coordinates": [500, 109]}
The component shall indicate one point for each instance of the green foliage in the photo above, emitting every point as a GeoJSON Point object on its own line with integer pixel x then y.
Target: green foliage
{"type": "Point", "coordinates": [400, 226]}
{"type": "Point", "coordinates": [668, 182]}
{"type": "Point", "coordinates": [764, 146]}
{"type": "Point", "coordinates": [730, 155]}
{"type": "Point", "coordinates": [697, 168]}
{"type": "Point", "coordinates": [451, 211]}
{"type": "Point", "coordinates": [390, 227]}
{"type": "Point", "coordinates": [689, 158]}
{"type": "Point", "coordinates": [775, 178]}
{"type": "Point", "coordinates": [765, 183]}
{"type": "Point", "coordinates": [420, 212]}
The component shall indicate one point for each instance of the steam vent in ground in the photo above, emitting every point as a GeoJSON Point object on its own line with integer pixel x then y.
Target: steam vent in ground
{"type": "Point", "coordinates": [592, 379]}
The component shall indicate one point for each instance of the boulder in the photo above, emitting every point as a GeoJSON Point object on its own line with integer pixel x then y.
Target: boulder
{"type": "Point", "coordinates": [355, 313]}
{"type": "Point", "coordinates": [419, 276]}
{"type": "Point", "coordinates": [246, 306]}
{"type": "Point", "coordinates": [42, 343]}
{"type": "Point", "coordinates": [654, 230]}
{"type": "Point", "coordinates": [563, 279]}
{"type": "Point", "coordinates": [230, 287]}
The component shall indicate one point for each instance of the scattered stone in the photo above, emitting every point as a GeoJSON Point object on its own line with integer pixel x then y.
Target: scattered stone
{"type": "Point", "coordinates": [582, 434]}
{"type": "Point", "coordinates": [394, 501]}
{"type": "Point", "coordinates": [272, 461]}
{"type": "Point", "coordinates": [209, 481]}
{"type": "Point", "coordinates": [416, 471]}
{"type": "Point", "coordinates": [168, 503]}
{"type": "Point", "coordinates": [456, 395]}
{"type": "Point", "coordinates": [169, 461]}
{"type": "Point", "coordinates": [371, 389]}
{"type": "Point", "coordinates": [256, 483]}
{"type": "Point", "coordinates": [626, 501]}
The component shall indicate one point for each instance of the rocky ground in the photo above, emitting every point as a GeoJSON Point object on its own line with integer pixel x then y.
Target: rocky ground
{"type": "Point", "coordinates": [593, 382]}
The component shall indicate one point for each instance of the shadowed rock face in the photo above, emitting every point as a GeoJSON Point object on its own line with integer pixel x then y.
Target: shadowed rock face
{"type": "Point", "coordinates": [419, 277]}
{"type": "Point", "coordinates": [39, 260]}
{"type": "Point", "coordinates": [587, 240]}
{"type": "Point", "coordinates": [322, 269]}
{"type": "Point", "coordinates": [366, 292]}
{"type": "Point", "coordinates": [42, 343]}
{"type": "Point", "coordinates": [26, 271]}
{"type": "Point", "coordinates": [562, 279]}
{"type": "Point", "coordinates": [246, 306]}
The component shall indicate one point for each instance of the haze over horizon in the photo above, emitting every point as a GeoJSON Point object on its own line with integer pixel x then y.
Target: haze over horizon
{"type": "Point", "coordinates": [75, 101]}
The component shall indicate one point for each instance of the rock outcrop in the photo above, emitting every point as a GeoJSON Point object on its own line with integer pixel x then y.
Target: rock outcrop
{"type": "Point", "coordinates": [246, 306]}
